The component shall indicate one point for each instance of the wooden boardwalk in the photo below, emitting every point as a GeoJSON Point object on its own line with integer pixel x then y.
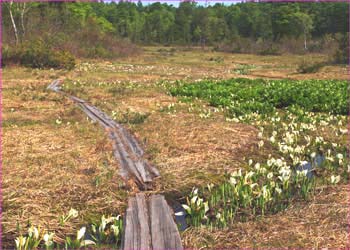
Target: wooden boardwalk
{"type": "Point", "coordinates": [149, 222]}
{"type": "Point", "coordinates": [126, 149]}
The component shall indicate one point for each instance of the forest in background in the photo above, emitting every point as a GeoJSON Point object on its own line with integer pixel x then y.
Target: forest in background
{"type": "Point", "coordinates": [58, 31]}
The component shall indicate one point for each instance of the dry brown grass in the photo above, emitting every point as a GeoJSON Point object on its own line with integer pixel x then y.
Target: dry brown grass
{"type": "Point", "coordinates": [194, 152]}
{"type": "Point", "coordinates": [49, 168]}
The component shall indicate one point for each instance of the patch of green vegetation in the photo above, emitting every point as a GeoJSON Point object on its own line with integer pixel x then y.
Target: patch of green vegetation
{"type": "Point", "coordinates": [105, 176]}
{"type": "Point", "coordinates": [273, 51]}
{"type": "Point", "coordinates": [241, 96]}
{"type": "Point", "coordinates": [217, 59]}
{"type": "Point", "coordinates": [342, 53]}
{"type": "Point", "coordinates": [244, 69]}
{"type": "Point", "coordinates": [38, 54]}
{"type": "Point", "coordinates": [120, 89]}
{"type": "Point", "coordinates": [291, 118]}
{"type": "Point", "coordinates": [130, 117]}
{"type": "Point", "coordinates": [17, 122]}
{"type": "Point", "coordinates": [107, 230]}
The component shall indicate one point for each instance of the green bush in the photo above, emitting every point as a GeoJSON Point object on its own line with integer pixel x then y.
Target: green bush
{"type": "Point", "coordinates": [309, 67]}
{"type": "Point", "coordinates": [62, 59]}
{"type": "Point", "coordinates": [342, 53]}
{"type": "Point", "coordinates": [37, 54]}
{"type": "Point", "coordinates": [98, 52]}
{"type": "Point", "coordinates": [273, 51]}
{"type": "Point", "coordinates": [4, 55]}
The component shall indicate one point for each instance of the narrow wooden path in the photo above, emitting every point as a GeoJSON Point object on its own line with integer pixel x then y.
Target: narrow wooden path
{"type": "Point", "coordinates": [126, 149]}
{"type": "Point", "coordinates": [149, 222]}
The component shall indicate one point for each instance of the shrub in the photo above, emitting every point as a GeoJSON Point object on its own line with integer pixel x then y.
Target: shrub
{"type": "Point", "coordinates": [249, 45]}
{"type": "Point", "coordinates": [98, 52]}
{"type": "Point", "coordinates": [270, 51]}
{"type": "Point", "coordinates": [244, 69]}
{"type": "Point", "coordinates": [4, 55]}
{"type": "Point", "coordinates": [62, 59]}
{"type": "Point", "coordinates": [217, 59]}
{"type": "Point", "coordinates": [315, 46]}
{"type": "Point", "coordinates": [342, 53]}
{"type": "Point", "coordinates": [309, 67]}
{"type": "Point", "coordinates": [37, 54]}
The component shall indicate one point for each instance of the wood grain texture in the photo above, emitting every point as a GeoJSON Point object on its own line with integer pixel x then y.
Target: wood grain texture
{"type": "Point", "coordinates": [165, 234]}
{"type": "Point", "coordinates": [137, 231]}
{"type": "Point", "coordinates": [150, 225]}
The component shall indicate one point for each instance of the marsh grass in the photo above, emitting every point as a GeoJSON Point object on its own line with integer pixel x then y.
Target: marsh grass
{"type": "Point", "coordinates": [49, 168]}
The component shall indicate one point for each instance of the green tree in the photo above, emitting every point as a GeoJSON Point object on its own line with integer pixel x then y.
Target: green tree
{"type": "Point", "coordinates": [187, 24]}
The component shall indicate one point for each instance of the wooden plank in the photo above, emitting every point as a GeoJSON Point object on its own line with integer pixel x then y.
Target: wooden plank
{"type": "Point", "coordinates": [54, 85]}
{"type": "Point", "coordinates": [127, 162]}
{"type": "Point", "coordinates": [137, 231]}
{"type": "Point", "coordinates": [150, 225]}
{"type": "Point", "coordinates": [165, 234]}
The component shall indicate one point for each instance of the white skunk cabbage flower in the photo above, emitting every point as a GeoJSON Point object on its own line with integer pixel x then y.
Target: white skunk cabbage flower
{"type": "Point", "coordinates": [81, 233]}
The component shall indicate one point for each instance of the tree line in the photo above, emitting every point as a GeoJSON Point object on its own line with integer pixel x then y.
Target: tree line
{"type": "Point", "coordinates": [191, 23]}
{"type": "Point", "coordinates": [94, 28]}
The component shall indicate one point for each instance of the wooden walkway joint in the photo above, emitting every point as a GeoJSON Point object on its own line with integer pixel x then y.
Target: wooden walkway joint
{"type": "Point", "coordinates": [149, 224]}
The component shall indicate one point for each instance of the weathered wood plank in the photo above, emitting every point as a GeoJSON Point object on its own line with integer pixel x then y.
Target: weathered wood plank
{"type": "Point", "coordinates": [54, 85]}
{"type": "Point", "coordinates": [129, 150]}
{"type": "Point", "coordinates": [137, 231]}
{"type": "Point", "coordinates": [165, 234]}
{"type": "Point", "coordinates": [162, 232]}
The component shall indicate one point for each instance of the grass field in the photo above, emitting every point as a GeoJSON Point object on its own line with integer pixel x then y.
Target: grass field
{"type": "Point", "coordinates": [54, 159]}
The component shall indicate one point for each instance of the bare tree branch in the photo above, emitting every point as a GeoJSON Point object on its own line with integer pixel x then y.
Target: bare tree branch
{"type": "Point", "coordinates": [22, 19]}
{"type": "Point", "coordinates": [13, 21]}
